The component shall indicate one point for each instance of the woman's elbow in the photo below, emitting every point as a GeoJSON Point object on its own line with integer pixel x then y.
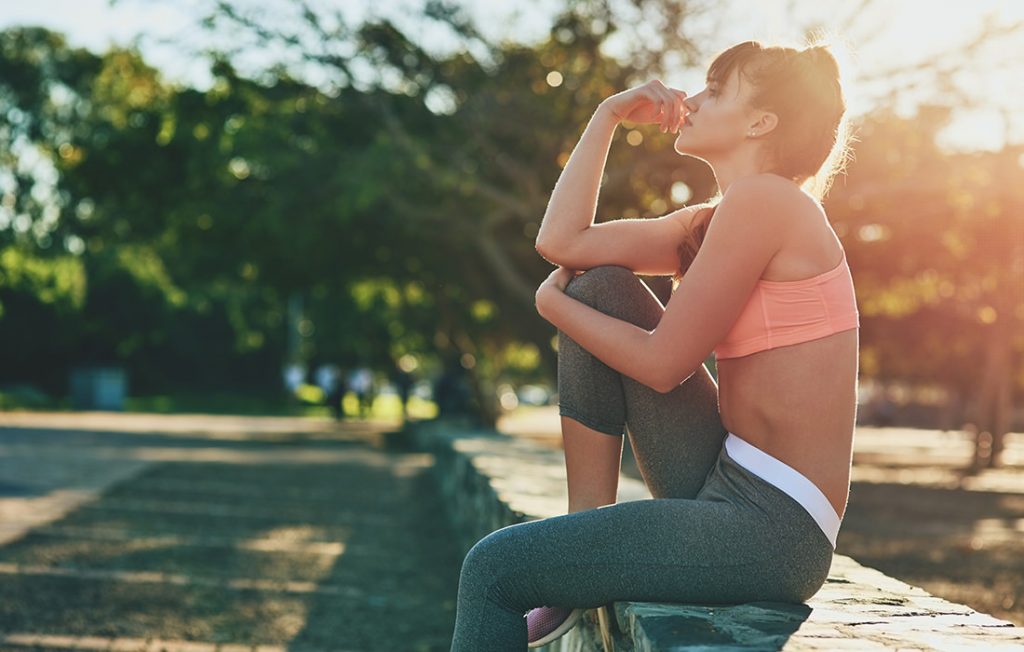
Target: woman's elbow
{"type": "Point", "coordinates": [665, 388]}
{"type": "Point", "coordinates": [554, 253]}
{"type": "Point", "coordinates": [666, 384]}
{"type": "Point", "coordinates": [658, 382]}
{"type": "Point", "coordinates": [542, 248]}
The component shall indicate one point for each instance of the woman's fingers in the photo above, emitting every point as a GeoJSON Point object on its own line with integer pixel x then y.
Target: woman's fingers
{"type": "Point", "coordinates": [681, 97]}
{"type": "Point", "coordinates": [656, 96]}
{"type": "Point", "coordinates": [655, 99]}
{"type": "Point", "coordinates": [661, 103]}
{"type": "Point", "coordinates": [668, 104]}
{"type": "Point", "coordinates": [666, 118]}
{"type": "Point", "coordinates": [672, 111]}
{"type": "Point", "coordinates": [674, 106]}
{"type": "Point", "coordinates": [678, 115]}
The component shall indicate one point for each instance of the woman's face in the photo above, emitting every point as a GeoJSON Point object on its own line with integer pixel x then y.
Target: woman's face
{"type": "Point", "coordinates": [719, 119]}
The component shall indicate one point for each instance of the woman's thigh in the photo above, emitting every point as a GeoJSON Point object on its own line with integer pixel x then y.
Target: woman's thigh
{"type": "Point", "coordinates": [675, 435]}
{"type": "Point", "coordinates": [673, 550]}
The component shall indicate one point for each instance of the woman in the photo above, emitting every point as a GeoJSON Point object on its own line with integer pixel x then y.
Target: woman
{"type": "Point", "coordinates": [749, 478]}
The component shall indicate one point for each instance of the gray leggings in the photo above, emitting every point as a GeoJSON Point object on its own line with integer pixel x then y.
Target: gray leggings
{"type": "Point", "coordinates": [714, 533]}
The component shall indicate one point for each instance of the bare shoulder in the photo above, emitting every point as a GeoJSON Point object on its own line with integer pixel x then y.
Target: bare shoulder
{"type": "Point", "coordinates": [778, 210]}
{"type": "Point", "coordinates": [763, 202]}
{"type": "Point", "coordinates": [788, 201]}
{"type": "Point", "coordinates": [770, 188]}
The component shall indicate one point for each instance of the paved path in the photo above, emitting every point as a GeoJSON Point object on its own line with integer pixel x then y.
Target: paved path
{"type": "Point", "coordinates": [192, 532]}
{"type": "Point", "coordinates": [913, 456]}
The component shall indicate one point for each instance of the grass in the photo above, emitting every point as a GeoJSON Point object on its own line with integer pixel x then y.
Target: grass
{"type": "Point", "coordinates": [308, 403]}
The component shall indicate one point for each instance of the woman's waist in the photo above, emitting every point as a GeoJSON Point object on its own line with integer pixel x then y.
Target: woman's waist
{"type": "Point", "coordinates": [798, 368]}
{"type": "Point", "coordinates": [788, 480]}
{"type": "Point", "coordinates": [822, 459]}
{"type": "Point", "coordinates": [821, 454]}
{"type": "Point", "coordinates": [788, 418]}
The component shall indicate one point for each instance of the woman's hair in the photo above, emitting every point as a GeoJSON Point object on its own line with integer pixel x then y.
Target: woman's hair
{"type": "Point", "coordinates": [810, 143]}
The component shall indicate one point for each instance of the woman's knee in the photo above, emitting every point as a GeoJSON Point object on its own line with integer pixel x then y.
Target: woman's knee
{"type": "Point", "coordinates": [598, 282]}
{"type": "Point", "coordinates": [496, 567]}
{"type": "Point", "coordinates": [617, 291]}
{"type": "Point", "coordinates": [489, 553]}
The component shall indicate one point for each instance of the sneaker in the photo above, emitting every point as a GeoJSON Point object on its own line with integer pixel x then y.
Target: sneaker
{"type": "Point", "coordinates": [545, 624]}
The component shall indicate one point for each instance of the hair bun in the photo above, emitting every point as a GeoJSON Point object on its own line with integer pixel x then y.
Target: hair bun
{"type": "Point", "coordinates": [822, 60]}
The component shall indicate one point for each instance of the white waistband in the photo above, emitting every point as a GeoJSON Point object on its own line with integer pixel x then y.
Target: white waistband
{"type": "Point", "coordinates": [789, 480]}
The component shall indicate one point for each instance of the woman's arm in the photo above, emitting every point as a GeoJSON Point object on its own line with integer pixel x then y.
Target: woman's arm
{"type": "Point", "coordinates": [573, 202]}
{"type": "Point", "coordinates": [621, 345]}
{"type": "Point", "coordinates": [704, 309]}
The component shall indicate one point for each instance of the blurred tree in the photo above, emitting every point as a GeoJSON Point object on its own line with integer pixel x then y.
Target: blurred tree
{"type": "Point", "coordinates": [402, 210]}
{"type": "Point", "coordinates": [478, 141]}
{"type": "Point", "coordinates": [936, 241]}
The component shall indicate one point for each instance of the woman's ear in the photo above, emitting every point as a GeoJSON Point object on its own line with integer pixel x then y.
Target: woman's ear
{"type": "Point", "coordinates": [764, 124]}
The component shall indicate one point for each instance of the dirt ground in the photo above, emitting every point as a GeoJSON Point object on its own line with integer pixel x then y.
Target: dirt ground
{"type": "Point", "coordinates": [911, 513]}
{"type": "Point", "coordinates": [311, 541]}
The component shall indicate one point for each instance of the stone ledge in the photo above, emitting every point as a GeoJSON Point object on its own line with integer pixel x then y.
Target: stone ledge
{"type": "Point", "coordinates": [489, 480]}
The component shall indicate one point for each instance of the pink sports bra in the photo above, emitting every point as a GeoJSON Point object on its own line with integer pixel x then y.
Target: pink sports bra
{"type": "Point", "coordinates": [780, 313]}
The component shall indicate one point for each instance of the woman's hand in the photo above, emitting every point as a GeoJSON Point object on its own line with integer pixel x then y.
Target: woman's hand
{"type": "Point", "coordinates": [555, 282]}
{"type": "Point", "coordinates": [650, 103]}
{"type": "Point", "coordinates": [559, 278]}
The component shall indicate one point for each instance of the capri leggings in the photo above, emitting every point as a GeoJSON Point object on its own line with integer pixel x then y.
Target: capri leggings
{"type": "Point", "coordinates": [714, 532]}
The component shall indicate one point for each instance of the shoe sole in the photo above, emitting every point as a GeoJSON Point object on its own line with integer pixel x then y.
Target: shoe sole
{"type": "Point", "coordinates": [559, 631]}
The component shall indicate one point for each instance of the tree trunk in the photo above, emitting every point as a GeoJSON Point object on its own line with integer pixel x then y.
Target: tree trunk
{"type": "Point", "coordinates": [992, 410]}
{"type": "Point", "coordinates": [484, 393]}
{"type": "Point", "coordinates": [1001, 418]}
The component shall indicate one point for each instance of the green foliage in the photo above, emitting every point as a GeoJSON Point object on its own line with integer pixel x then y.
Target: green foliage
{"type": "Point", "coordinates": [167, 228]}
{"type": "Point", "coordinates": [56, 281]}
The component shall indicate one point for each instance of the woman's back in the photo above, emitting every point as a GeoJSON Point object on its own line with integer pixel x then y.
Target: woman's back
{"type": "Point", "coordinates": [798, 402]}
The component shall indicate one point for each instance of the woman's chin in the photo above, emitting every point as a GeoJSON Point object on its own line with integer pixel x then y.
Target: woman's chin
{"type": "Point", "coordinates": [682, 147]}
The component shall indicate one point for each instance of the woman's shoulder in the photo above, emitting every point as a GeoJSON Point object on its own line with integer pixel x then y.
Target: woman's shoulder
{"type": "Point", "coordinates": [771, 185]}
{"type": "Point", "coordinates": [788, 196]}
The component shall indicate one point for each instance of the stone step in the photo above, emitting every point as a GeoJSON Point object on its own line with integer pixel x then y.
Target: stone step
{"type": "Point", "coordinates": [490, 480]}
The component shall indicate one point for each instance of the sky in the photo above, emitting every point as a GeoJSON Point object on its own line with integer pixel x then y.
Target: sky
{"type": "Point", "coordinates": [901, 31]}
